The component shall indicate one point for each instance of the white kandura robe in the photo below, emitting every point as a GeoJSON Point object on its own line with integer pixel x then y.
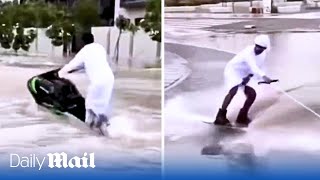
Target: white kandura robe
{"type": "Point", "coordinates": [243, 64]}
{"type": "Point", "coordinates": [93, 59]}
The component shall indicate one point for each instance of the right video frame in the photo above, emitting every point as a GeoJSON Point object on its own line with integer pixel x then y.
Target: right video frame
{"type": "Point", "coordinates": [241, 88]}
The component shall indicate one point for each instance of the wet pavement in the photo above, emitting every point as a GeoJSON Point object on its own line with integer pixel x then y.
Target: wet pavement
{"type": "Point", "coordinates": [270, 25]}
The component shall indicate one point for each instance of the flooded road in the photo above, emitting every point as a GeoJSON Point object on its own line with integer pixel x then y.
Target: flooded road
{"type": "Point", "coordinates": [284, 134]}
{"type": "Point", "coordinates": [134, 144]}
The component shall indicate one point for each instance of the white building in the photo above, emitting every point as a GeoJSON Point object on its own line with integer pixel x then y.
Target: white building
{"type": "Point", "coordinates": [133, 9]}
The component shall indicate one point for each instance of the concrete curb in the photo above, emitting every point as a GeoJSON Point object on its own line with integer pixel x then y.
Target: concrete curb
{"type": "Point", "coordinates": [197, 15]}
{"type": "Point", "coordinates": [254, 31]}
{"type": "Point", "coordinates": [199, 9]}
{"type": "Point", "coordinates": [289, 9]}
{"type": "Point", "coordinates": [214, 9]}
{"type": "Point", "coordinates": [176, 70]}
{"type": "Point", "coordinates": [177, 81]}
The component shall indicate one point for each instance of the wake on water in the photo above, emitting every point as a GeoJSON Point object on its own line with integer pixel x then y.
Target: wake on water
{"type": "Point", "coordinates": [192, 108]}
{"type": "Point", "coordinates": [125, 128]}
{"type": "Point", "coordinates": [278, 122]}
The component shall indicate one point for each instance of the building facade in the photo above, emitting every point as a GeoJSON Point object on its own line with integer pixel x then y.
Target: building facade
{"type": "Point", "coordinates": [132, 3]}
{"type": "Point", "coordinates": [133, 9]}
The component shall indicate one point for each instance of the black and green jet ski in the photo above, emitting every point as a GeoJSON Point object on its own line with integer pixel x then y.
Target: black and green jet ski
{"type": "Point", "coordinates": [57, 94]}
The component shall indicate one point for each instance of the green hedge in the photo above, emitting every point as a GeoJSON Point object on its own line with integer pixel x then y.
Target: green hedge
{"type": "Point", "coordinates": [62, 23]}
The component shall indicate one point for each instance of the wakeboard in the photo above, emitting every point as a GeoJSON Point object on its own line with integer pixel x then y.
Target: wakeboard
{"type": "Point", "coordinates": [231, 127]}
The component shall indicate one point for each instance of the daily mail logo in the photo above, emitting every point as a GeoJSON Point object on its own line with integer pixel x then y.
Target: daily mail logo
{"type": "Point", "coordinates": [54, 160]}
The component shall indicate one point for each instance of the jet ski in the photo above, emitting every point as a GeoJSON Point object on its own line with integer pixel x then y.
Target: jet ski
{"type": "Point", "coordinates": [59, 95]}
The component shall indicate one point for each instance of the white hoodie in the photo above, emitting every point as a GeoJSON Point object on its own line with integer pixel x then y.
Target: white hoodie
{"type": "Point", "coordinates": [93, 58]}
{"type": "Point", "coordinates": [247, 62]}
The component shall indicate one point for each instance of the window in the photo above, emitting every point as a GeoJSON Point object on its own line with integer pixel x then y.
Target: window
{"type": "Point", "coordinates": [132, 3]}
{"type": "Point", "coordinates": [107, 10]}
{"type": "Point", "coordinates": [137, 21]}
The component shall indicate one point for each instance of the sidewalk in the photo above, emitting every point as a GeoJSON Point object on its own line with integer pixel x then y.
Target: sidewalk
{"type": "Point", "coordinates": [239, 7]}
{"type": "Point", "coordinates": [263, 23]}
{"type": "Point", "coordinates": [176, 70]}
{"type": "Point", "coordinates": [194, 15]}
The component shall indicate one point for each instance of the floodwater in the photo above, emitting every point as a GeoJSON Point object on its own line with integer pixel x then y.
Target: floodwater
{"type": "Point", "coordinates": [134, 144]}
{"type": "Point", "coordinates": [284, 134]}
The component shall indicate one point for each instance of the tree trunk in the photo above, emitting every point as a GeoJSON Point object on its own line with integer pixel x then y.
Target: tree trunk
{"type": "Point", "coordinates": [131, 49]}
{"type": "Point", "coordinates": [116, 49]}
{"type": "Point", "coordinates": [37, 39]}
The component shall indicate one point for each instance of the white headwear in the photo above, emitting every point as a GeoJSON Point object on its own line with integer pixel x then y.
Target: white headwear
{"type": "Point", "coordinates": [262, 40]}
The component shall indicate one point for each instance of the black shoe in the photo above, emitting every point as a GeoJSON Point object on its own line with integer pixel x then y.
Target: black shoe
{"type": "Point", "coordinates": [102, 119]}
{"type": "Point", "coordinates": [243, 119]}
{"type": "Point", "coordinates": [221, 118]}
